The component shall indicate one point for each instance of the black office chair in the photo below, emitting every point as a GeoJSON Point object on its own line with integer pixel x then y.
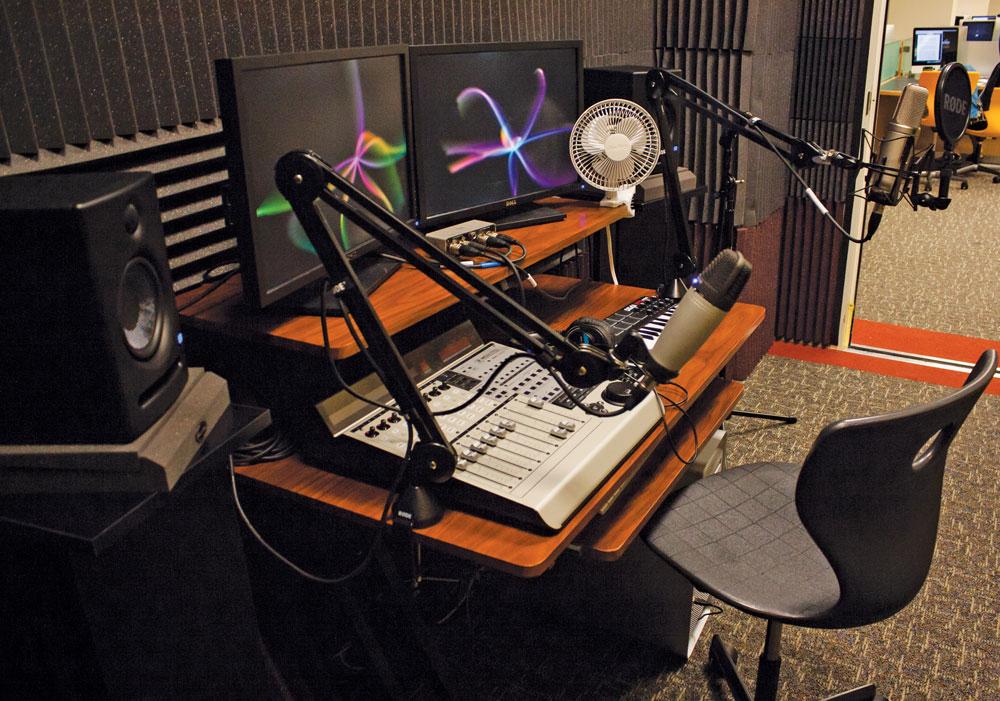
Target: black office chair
{"type": "Point", "coordinates": [986, 127]}
{"type": "Point", "coordinates": [843, 540]}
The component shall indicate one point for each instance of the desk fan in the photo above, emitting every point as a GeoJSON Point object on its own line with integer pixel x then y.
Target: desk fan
{"type": "Point", "coordinates": [614, 145]}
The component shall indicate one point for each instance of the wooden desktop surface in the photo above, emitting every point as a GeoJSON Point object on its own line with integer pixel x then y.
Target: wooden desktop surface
{"type": "Point", "coordinates": [405, 299]}
{"type": "Point", "coordinates": [636, 487]}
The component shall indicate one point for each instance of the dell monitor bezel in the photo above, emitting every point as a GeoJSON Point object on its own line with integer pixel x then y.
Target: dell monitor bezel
{"type": "Point", "coordinates": [498, 207]}
{"type": "Point", "coordinates": [230, 77]}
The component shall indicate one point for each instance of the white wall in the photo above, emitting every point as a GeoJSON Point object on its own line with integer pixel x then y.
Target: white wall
{"type": "Point", "coordinates": [968, 8]}
{"type": "Point", "coordinates": [904, 15]}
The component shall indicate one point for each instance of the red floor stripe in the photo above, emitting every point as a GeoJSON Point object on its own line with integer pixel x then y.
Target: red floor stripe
{"type": "Point", "coordinates": [879, 366]}
{"type": "Point", "coordinates": [919, 341]}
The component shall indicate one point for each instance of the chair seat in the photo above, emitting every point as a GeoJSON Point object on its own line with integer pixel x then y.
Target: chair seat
{"type": "Point", "coordinates": [738, 536]}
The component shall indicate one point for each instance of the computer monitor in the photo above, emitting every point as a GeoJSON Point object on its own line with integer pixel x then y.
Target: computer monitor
{"type": "Point", "coordinates": [491, 125]}
{"type": "Point", "coordinates": [349, 106]}
{"type": "Point", "coordinates": [934, 46]}
{"type": "Point", "coordinates": [979, 29]}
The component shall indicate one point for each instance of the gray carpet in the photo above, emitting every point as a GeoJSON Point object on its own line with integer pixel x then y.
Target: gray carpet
{"type": "Point", "coordinates": [937, 270]}
{"type": "Point", "coordinates": [943, 646]}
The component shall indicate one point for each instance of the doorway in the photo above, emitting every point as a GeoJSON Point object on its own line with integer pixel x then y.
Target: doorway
{"type": "Point", "coordinates": [927, 286]}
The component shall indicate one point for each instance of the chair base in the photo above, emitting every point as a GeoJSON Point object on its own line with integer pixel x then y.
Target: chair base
{"type": "Point", "coordinates": [724, 657]}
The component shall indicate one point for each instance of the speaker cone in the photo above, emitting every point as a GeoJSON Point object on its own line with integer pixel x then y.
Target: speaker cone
{"type": "Point", "coordinates": [140, 308]}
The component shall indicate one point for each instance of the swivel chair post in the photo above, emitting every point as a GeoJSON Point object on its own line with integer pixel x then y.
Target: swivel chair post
{"type": "Point", "coordinates": [727, 236]}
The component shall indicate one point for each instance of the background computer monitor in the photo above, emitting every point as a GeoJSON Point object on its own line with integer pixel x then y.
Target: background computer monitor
{"type": "Point", "coordinates": [979, 29]}
{"type": "Point", "coordinates": [934, 46]}
{"type": "Point", "coordinates": [350, 107]}
{"type": "Point", "coordinates": [491, 126]}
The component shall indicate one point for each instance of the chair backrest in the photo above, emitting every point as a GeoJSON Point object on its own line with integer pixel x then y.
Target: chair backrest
{"type": "Point", "coordinates": [869, 493]}
{"type": "Point", "coordinates": [929, 79]}
{"type": "Point", "coordinates": [992, 82]}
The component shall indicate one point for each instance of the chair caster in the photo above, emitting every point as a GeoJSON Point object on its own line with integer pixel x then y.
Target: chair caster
{"type": "Point", "coordinates": [965, 186]}
{"type": "Point", "coordinates": [996, 179]}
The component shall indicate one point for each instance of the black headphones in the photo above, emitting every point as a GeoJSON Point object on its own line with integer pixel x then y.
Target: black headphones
{"type": "Point", "coordinates": [592, 332]}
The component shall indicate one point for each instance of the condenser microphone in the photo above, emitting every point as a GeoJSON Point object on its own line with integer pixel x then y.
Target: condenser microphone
{"type": "Point", "coordinates": [697, 315]}
{"type": "Point", "coordinates": [700, 311]}
{"type": "Point", "coordinates": [885, 188]}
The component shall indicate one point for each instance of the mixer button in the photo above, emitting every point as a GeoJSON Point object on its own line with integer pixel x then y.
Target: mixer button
{"type": "Point", "coordinates": [559, 432]}
{"type": "Point", "coordinates": [470, 455]}
{"type": "Point", "coordinates": [498, 432]}
{"type": "Point", "coordinates": [568, 425]}
{"type": "Point", "coordinates": [461, 465]}
{"type": "Point", "coordinates": [507, 424]}
{"type": "Point", "coordinates": [371, 432]}
{"type": "Point", "coordinates": [479, 447]}
{"type": "Point", "coordinates": [393, 417]}
{"type": "Point", "coordinates": [536, 402]}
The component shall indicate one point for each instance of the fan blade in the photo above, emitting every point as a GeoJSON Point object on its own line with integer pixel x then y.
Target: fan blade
{"type": "Point", "coordinates": [595, 135]}
{"type": "Point", "coordinates": [631, 127]}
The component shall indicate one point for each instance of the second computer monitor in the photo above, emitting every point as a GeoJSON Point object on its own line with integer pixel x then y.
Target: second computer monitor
{"type": "Point", "coordinates": [935, 46]}
{"type": "Point", "coordinates": [491, 126]}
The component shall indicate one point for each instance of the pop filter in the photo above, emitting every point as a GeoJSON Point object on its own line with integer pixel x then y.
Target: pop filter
{"type": "Point", "coordinates": [952, 104]}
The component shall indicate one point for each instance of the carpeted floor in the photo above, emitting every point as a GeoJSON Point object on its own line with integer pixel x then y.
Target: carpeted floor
{"type": "Point", "coordinates": [945, 645]}
{"type": "Point", "coordinates": [937, 270]}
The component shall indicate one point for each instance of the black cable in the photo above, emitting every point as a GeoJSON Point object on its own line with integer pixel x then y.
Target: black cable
{"type": "Point", "coordinates": [795, 173]}
{"type": "Point", "coordinates": [216, 284]}
{"type": "Point", "coordinates": [333, 363]}
{"type": "Point", "coordinates": [376, 539]}
{"type": "Point", "coordinates": [514, 270]}
{"type": "Point", "coordinates": [544, 293]}
{"type": "Point", "coordinates": [715, 608]}
{"type": "Point", "coordinates": [269, 445]}
{"type": "Point", "coordinates": [473, 578]}
{"type": "Point", "coordinates": [489, 380]}
{"type": "Point", "coordinates": [687, 417]}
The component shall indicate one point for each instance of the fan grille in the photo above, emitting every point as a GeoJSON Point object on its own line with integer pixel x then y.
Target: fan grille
{"type": "Point", "coordinates": [597, 140]}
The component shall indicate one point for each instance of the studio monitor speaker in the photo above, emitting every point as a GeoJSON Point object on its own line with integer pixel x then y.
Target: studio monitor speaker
{"type": "Point", "coordinates": [627, 83]}
{"type": "Point", "coordinates": [90, 349]}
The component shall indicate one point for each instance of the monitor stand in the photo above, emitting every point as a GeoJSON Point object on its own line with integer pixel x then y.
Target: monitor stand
{"type": "Point", "coordinates": [372, 270]}
{"type": "Point", "coordinates": [530, 216]}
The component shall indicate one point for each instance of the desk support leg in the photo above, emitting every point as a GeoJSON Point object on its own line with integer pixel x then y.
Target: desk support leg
{"type": "Point", "coordinates": [428, 671]}
{"type": "Point", "coordinates": [766, 417]}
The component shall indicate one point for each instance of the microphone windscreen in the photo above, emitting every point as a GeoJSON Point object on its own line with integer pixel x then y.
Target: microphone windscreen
{"type": "Point", "coordinates": [724, 279]}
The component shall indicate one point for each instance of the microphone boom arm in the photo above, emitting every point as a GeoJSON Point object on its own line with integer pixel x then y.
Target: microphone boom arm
{"type": "Point", "coordinates": [304, 179]}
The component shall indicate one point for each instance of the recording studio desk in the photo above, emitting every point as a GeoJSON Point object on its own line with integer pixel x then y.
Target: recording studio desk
{"type": "Point", "coordinates": [643, 479]}
{"type": "Point", "coordinates": [636, 487]}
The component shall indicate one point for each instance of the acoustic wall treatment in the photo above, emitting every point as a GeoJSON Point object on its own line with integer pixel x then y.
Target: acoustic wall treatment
{"type": "Point", "coordinates": [826, 108]}
{"type": "Point", "coordinates": [129, 84]}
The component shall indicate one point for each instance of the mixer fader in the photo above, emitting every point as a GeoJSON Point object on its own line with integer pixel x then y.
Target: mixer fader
{"type": "Point", "coordinates": [523, 442]}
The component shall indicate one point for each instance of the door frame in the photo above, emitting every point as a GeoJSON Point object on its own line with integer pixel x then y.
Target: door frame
{"type": "Point", "coordinates": [859, 215]}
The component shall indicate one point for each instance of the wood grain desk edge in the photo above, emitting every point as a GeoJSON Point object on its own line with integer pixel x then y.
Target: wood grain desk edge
{"type": "Point", "coordinates": [511, 549]}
